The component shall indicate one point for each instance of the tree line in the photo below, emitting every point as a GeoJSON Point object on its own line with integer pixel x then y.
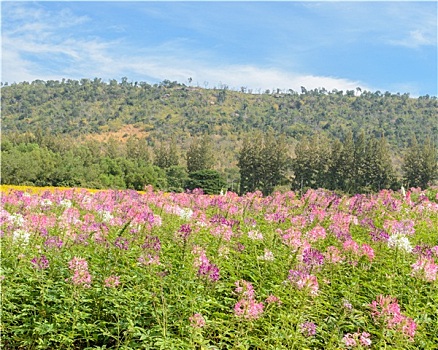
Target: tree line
{"type": "Point", "coordinates": [265, 162]}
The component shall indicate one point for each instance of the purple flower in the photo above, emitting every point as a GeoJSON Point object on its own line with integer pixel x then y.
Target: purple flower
{"type": "Point", "coordinates": [53, 242]}
{"type": "Point", "coordinates": [313, 257]}
{"type": "Point", "coordinates": [184, 232]}
{"type": "Point", "coordinates": [152, 243]}
{"type": "Point", "coordinates": [209, 270]}
{"type": "Point", "coordinates": [122, 243]}
{"type": "Point", "coordinates": [40, 263]}
{"type": "Point", "coordinates": [308, 329]}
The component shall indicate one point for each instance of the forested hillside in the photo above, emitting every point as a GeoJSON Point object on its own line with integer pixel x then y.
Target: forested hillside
{"type": "Point", "coordinates": [118, 134]}
{"type": "Point", "coordinates": [93, 106]}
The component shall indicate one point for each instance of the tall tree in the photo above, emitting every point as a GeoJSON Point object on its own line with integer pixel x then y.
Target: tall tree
{"type": "Point", "coordinates": [312, 163]}
{"type": "Point", "coordinates": [420, 165]}
{"type": "Point", "coordinates": [200, 154]}
{"type": "Point", "coordinates": [166, 155]}
{"type": "Point", "coordinates": [263, 163]}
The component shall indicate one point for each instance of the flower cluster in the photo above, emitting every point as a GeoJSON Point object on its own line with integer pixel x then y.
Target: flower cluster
{"type": "Point", "coordinates": [303, 280]}
{"type": "Point", "coordinates": [54, 242]}
{"type": "Point", "coordinates": [312, 257]}
{"type": "Point", "coordinates": [81, 276]}
{"type": "Point", "coordinates": [267, 256]}
{"type": "Point", "coordinates": [40, 263]}
{"type": "Point", "coordinates": [247, 307]}
{"type": "Point", "coordinates": [197, 321]}
{"type": "Point", "coordinates": [205, 267]}
{"type": "Point", "coordinates": [255, 235]}
{"type": "Point", "coordinates": [387, 310]}
{"type": "Point", "coordinates": [184, 232]}
{"type": "Point", "coordinates": [308, 329]}
{"type": "Point", "coordinates": [122, 243]}
{"type": "Point", "coordinates": [21, 237]}
{"type": "Point", "coordinates": [425, 268]}
{"type": "Point", "coordinates": [358, 339]}
{"type": "Point", "coordinates": [400, 242]}
{"type": "Point", "coordinates": [317, 233]}
{"type": "Point", "coordinates": [112, 281]}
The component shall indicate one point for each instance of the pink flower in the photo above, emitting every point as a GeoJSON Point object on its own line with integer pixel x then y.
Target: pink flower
{"type": "Point", "coordinates": [367, 251]}
{"type": "Point", "coordinates": [348, 340]}
{"type": "Point", "coordinates": [333, 255]}
{"type": "Point", "coordinates": [387, 310]}
{"type": "Point", "coordinates": [81, 276]}
{"type": "Point", "coordinates": [351, 246]}
{"type": "Point", "coordinates": [357, 339]}
{"type": "Point", "coordinates": [197, 321]}
{"type": "Point", "coordinates": [248, 309]}
{"type": "Point", "coordinates": [365, 339]}
{"type": "Point", "coordinates": [112, 281]}
{"type": "Point", "coordinates": [304, 280]}
{"type": "Point", "coordinates": [308, 329]}
{"type": "Point", "coordinates": [245, 289]}
{"type": "Point", "coordinates": [318, 232]}
{"type": "Point", "coordinates": [425, 268]}
{"type": "Point", "coordinates": [271, 299]}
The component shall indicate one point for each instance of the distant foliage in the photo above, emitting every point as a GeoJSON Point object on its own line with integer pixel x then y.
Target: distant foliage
{"type": "Point", "coordinates": [210, 181]}
{"type": "Point", "coordinates": [131, 134]}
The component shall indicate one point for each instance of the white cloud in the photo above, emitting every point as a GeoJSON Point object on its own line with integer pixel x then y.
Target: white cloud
{"type": "Point", "coordinates": [415, 39]}
{"type": "Point", "coordinates": [40, 49]}
{"type": "Point", "coordinates": [38, 44]}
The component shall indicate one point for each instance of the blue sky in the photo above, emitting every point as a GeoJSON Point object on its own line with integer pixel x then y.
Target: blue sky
{"type": "Point", "coordinates": [386, 46]}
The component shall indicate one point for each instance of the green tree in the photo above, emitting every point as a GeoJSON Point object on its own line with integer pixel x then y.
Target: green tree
{"type": "Point", "coordinates": [263, 162]}
{"type": "Point", "coordinates": [312, 163]}
{"type": "Point", "coordinates": [200, 154]}
{"type": "Point", "coordinates": [210, 181]}
{"type": "Point", "coordinates": [166, 155]}
{"type": "Point", "coordinates": [420, 165]}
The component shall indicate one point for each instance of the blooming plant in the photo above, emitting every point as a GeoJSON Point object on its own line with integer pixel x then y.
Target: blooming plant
{"type": "Point", "coordinates": [110, 269]}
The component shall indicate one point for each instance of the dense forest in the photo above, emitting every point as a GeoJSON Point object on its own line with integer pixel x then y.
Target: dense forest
{"type": "Point", "coordinates": [176, 137]}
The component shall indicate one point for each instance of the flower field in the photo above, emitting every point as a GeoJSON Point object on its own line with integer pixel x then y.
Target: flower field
{"type": "Point", "coordinates": [153, 270]}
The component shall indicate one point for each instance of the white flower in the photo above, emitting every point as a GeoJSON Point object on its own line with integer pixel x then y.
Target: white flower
{"type": "Point", "coordinates": [17, 219]}
{"type": "Point", "coordinates": [21, 236]}
{"type": "Point", "coordinates": [66, 203]}
{"type": "Point", "coordinates": [268, 256]}
{"type": "Point", "coordinates": [255, 235]}
{"type": "Point", "coordinates": [224, 251]}
{"type": "Point", "coordinates": [106, 216]}
{"type": "Point", "coordinates": [46, 202]}
{"type": "Point", "coordinates": [400, 241]}
{"type": "Point", "coordinates": [185, 213]}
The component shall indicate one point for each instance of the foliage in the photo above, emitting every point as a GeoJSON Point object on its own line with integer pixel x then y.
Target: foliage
{"type": "Point", "coordinates": [200, 154]}
{"type": "Point", "coordinates": [124, 270]}
{"type": "Point", "coordinates": [263, 163]}
{"type": "Point", "coordinates": [210, 181]}
{"type": "Point", "coordinates": [420, 165]}
{"type": "Point", "coordinates": [98, 134]}
{"type": "Point", "coordinates": [353, 166]}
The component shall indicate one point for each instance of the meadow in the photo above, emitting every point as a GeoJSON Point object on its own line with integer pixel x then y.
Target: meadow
{"type": "Point", "coordinates": [113, 269]}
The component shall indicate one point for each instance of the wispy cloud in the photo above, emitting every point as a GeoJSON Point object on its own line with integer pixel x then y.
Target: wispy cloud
{"type": "Point", "coordinates": [40, 34]}
{"type": "Point", "coordinates": [54, 42]}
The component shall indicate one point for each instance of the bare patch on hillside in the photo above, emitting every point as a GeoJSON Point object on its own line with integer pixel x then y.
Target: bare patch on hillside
{"type": "Point", "coordinates": [121, 135]}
